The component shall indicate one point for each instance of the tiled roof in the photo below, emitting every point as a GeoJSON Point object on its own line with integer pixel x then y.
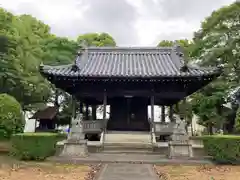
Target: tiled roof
{"type": "Point", "coordinates": [128, 62]}
{"type": "Point", "coordinates": [48, 113]}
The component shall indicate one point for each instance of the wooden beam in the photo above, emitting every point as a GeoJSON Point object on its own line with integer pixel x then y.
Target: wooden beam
{"type": "Point", "coordinates": [162, 95]}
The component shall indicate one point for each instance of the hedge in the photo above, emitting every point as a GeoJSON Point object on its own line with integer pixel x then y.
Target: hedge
{"type": "Point", "coordinates": [224, 149]}
{"type": "Point", "coordinates": [34, 146]}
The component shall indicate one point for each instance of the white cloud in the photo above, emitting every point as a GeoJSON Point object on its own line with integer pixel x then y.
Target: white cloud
{"type": "Point", "coordinates": [130, 22]}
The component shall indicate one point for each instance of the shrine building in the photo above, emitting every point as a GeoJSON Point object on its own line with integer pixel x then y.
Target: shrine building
{"type": "Point", "coordinates": [128, 80]}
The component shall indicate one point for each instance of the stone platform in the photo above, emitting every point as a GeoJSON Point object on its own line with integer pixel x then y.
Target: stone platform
{"type": "Point", "coordinates": [129, 158]}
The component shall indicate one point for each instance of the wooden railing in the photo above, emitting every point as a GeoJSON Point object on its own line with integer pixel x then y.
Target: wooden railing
{"type": "Point", "coordinates": [93, 126]}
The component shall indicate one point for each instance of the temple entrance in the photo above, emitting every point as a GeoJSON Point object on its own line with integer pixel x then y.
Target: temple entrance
{"type": "Point", "coordinates": [129, 114]}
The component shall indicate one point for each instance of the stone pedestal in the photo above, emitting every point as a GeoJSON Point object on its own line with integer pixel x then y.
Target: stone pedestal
{"type": "Point", "coordinates": [180, 146]}
{"type": "Point", "coordinates": [179, 150]}
{"type": "Point", "coordinates": [75, 149]}
{"type": "Point", "coordinates": [76, 145]}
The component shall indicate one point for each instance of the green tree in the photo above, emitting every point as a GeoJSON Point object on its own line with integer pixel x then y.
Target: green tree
{"type": "Point", "coordinates": [97, 39]}
{"type": "Point", "coordinates": [25, 43]}
{"type": "Point", "coordinates": [208, 105]}
{"type": "Point", "coordinates": [20, 76]}
{"type": "Point", "coordinates": [11, 116]}
{"type": "Point", "coordinates": [59, 51]}
{"type": "Point", "coordinates": [217, 44]}
{"type": "Point", "coordinates": [185, 44]}
{"type": "Point", "coordinates": [184, 110]}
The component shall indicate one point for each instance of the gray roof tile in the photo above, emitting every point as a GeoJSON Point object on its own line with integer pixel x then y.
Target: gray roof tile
{"type": "Point", "coordinates": [127, 62]}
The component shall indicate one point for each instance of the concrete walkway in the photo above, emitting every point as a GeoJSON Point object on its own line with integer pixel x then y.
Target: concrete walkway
{"type": "Point", "coordinates": [124, 171]}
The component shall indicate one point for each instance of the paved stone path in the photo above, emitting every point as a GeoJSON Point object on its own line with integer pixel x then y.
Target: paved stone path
{"type": "Point", "coordinates": [124, 171]}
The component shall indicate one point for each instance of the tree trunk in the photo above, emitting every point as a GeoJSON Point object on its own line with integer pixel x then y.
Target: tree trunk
{"type": "Point", "coordinates": [210, 129]}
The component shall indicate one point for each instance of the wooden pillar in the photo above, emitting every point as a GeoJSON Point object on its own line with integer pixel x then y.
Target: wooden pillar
{"type": "Point", "coordinates": [57, 93]}
{"type": "Point", "coordinates": [152, 108]}
{"type": "Point", "coordinates": [73, 107]}
{"type": "Point", "coordinates": [87, 112]}
{"type": "Point", "coordinates": [163, 114]}
{"type": "Point", "coordinates": [104, 106]}
{"type": "Point", "coordinates": [185, 109]}
{"type": "Point", "coordinates": [171, 113]}
{"type": "Point", "coordinates": [152, 115]}
{"type": "Point", "coordinates": [94, 112]}
{"type": "Point", "coordinates": [81, 108]}
{"type": "Point", "coordinates": [185, 114]}
{"type": "Point", "coordinates": [105, 110]}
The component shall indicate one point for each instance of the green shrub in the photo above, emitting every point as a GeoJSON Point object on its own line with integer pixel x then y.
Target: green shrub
{"type": "Point", "coordinates": [3, 135]}
{"type": "Point", "coordinates": [34, 146]}
{"type": "Point", "coordinates": [11, 116]}
{"type": "Point", "coordinates": [224, 149]}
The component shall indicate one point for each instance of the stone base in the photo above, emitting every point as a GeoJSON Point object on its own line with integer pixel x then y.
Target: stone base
{"type": "Point", "coordinates": [179, 150]}
{"type": "Point", "coordinates": [75, 149]}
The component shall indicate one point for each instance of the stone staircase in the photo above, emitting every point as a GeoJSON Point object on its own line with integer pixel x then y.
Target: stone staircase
{"type": "Point", "coordinates": [127, 143]}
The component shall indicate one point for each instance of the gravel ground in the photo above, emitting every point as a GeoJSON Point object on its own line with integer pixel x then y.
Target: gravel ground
{"type": "Point", "coordinates": [201, 172]}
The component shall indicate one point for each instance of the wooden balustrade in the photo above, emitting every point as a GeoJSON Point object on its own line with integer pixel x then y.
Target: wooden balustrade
{"type": "Point", "coordinates": [164, 128]}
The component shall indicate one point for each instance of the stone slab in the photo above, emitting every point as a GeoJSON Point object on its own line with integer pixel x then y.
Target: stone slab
{"type": "Point", "coordinates": [125, 171]}
{"type": "Point", "coordinates": [75, 150]}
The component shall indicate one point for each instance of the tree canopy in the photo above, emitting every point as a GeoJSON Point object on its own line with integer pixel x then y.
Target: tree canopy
{"type": "Point", "coordinates": [185, 44]}
{"type": "Point", "coordinates": [20, 76]}
{"type": "Point", "coordinates": [217, 44]}
{"type": "Point", "coordinates": [25, 43]}
{"type": "Point", "coordinates": [97, 39]}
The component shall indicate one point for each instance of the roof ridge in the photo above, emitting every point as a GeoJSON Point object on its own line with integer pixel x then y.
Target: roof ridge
{"type": "Point", "coordinates": [197, 67]}
{"type": "Point", "coordinates": [56, 66]}
{"type": "Point", "coordinates": [129, 48]}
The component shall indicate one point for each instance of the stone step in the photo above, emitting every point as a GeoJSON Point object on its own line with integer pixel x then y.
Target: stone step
{"type": "Point", "coordinates": [127, 137]}
{"type": "Point", "coordinates": [128, 144]}
{"type": "Point", "coordinates": [127, 148]}
{"type": "Point", "coordinates": [130, 151]}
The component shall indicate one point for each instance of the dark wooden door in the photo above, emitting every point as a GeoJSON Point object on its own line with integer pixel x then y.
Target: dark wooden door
{"type": "Point", "coordinates": [128, 114]}
{"type": "Point", "coordinates": [138, 114]}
